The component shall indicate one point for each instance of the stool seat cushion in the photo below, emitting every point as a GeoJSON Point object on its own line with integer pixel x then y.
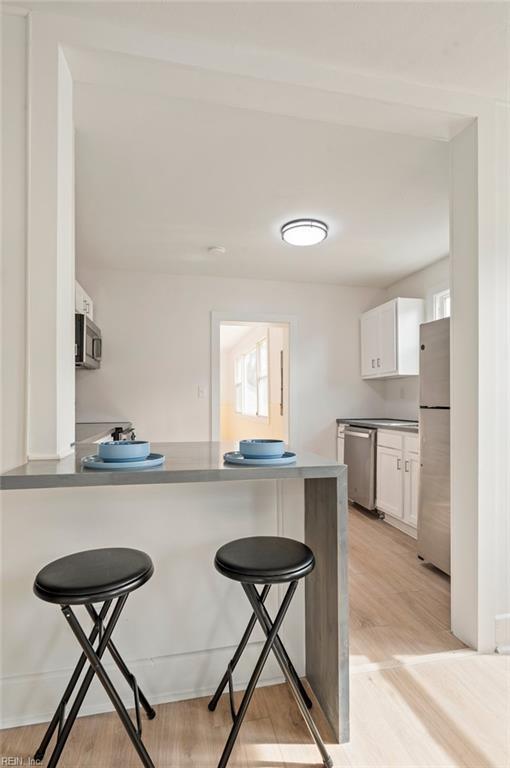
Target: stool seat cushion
{"type": "Point", "coordinates": [264, 560]}
{"type": "Point", "coordinates": [93, 576]}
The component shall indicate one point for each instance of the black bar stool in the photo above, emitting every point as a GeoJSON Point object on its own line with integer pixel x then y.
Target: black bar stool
{"type": "Point", "coordinates": [85, 578]}
{"type": "Point", "coordinates": [265, 560]}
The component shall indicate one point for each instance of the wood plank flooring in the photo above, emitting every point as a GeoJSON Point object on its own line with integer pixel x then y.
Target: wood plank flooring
{"type": "Point", "coordinates": [418, 697]}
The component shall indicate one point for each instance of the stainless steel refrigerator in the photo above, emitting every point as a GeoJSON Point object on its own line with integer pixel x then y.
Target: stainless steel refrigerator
{"type": "Point", "coordinates": [434, 499]}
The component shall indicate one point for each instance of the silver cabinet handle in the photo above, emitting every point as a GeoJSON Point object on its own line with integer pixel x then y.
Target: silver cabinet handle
{"type": "Point", "coordinates": [406, 464]}
{"type": "Point", "coordinates": [399, 464]}
{"type": "Point", "coordinates": [373, 362]}
{"type": "Point", "coordinates": [378, 362]}
{"type": "Point", "coordinates": [97, 348]}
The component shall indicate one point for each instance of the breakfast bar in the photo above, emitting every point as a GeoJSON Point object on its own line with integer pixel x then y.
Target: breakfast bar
{"type": "Point", "coordinates": [213, 501]}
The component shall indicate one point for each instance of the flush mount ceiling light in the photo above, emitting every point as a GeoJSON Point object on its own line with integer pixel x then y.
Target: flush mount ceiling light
{"type": "Point", "coordinates": [304, 232]}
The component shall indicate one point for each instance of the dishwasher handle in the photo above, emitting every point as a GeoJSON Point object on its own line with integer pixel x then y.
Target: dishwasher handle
{"type": "Point", "coordinates": [366, 435]}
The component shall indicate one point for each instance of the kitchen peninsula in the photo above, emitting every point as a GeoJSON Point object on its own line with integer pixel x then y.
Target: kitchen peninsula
{"type": "Point", "coordinates": [180, 513]}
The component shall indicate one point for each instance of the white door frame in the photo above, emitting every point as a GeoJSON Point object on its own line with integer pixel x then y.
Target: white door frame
{"type": "Point", "coordinates": [217, 318]}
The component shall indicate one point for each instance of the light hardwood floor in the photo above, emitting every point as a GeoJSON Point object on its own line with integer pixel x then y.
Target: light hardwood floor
{"type": "Point", "coordinates": [418, 697]}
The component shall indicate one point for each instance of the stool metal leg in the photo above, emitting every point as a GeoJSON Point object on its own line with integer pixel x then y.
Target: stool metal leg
{"type": "Point", "coordinates": [278, 644]}
{"type": "Point", "coordinates": [59, 712]}
{"type": "Point", "coordinates": [237, 655]}
{"type": "Point", "coordinates": [265, 621]}
{"type": "Point", "coordinates": [96, 668]}
{"type": "Point", "coordinates": [130, 678]}
{"type": "Point", "coordinates": [248, 694]}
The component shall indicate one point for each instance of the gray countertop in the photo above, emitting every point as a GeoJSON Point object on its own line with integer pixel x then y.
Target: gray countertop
{"type": "Point", "coordinates": [400, 425]}
{"type": "Point", "coordinates": [184, 463]}
{"type": "Point", "coordinates": [90, 431]}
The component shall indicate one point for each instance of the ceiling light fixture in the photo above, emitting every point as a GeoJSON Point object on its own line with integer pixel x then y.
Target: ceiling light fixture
{"type": "Point", "coordinates": [304, 232]}
{"type": "Point", "coordinates": [217, 250]}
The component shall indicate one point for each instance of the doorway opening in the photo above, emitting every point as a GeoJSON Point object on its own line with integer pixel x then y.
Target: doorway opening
{"type": "Point", "coordinates": [253, 380]}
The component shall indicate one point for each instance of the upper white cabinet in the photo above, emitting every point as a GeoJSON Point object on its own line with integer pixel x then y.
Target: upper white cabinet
{"type": "Point", "coordinates": [82, 301]}
{"type": "Point", "coordinates": [390, 339]}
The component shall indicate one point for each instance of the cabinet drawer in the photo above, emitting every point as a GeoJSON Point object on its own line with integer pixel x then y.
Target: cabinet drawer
{"type": "Point", "coordinates": [389, 439]}
{"type": "Point", "coordinates": [412, 443]}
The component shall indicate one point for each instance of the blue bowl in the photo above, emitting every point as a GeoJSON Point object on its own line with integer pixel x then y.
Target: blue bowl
{"type": "Point", "coordinates": [262, 449]}
{"type": "Point", "coordinates": [124, 450]}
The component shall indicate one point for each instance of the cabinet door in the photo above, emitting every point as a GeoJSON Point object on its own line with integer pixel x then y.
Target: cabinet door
{"type": "Point", "coordinates": [79, 294]}
{"type": "Point", "coordinates": [411, 487]}
{"type": "Point", "coordinates": [340, 443]}
{"type": "Point", "coordinates": [390, 482]}
{"type": "Point", "coordinates": [386, 361]}
{"type": "Point", "coordinates": [369, 343]}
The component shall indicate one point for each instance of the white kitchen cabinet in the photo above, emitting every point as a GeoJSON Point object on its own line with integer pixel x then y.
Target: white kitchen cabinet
{"type": "Point", "coordinates": [369, 343]}
{"type": "Point", "coordinates": [390, 339]}
{"type": "Point", "coordinates": [398, 477]}
{"type": "Point", "coordinates": [82, 301]}
{"type": "Point", "coordinates": [389, 482]}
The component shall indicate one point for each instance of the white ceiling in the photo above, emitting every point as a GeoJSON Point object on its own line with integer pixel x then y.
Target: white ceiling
{"type": "Point", "coordinates": [457, 45]}
{"type": "Point", "coordinates": [159, 180]}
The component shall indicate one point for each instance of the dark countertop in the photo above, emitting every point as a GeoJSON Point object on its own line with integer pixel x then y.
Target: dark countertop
{"type": "Point", "coordinates": [185, 463]}
{"type": "Point", "coordinates": [399, 425]}
{"type": "Point", "coordinates": [90, 431]}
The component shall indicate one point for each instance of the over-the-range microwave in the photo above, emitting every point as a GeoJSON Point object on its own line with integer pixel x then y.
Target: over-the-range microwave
{"type": "Point", "coordinates": [88, 345]}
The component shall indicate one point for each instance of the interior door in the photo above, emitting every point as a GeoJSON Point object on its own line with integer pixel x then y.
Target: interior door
{"type": "Point", "coordinates": [387, 327]}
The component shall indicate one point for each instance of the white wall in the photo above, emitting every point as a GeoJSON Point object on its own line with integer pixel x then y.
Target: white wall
{"type": "Point", "coordinates": [50, 251]}
{"type": "Point", "coordinates": [402, 395]}
{"type": "Point", "coordinates": [464, 388]}
{"type": "Point", "coordinates": [13, 410]}
{"type": "Point", "coordinates": [156, 330]}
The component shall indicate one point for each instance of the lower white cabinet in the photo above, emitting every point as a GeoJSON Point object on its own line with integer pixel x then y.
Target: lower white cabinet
{"type": "Point", "coordinates": [390, 499]}
{"type": "Point", "coordinates": [398, 476]}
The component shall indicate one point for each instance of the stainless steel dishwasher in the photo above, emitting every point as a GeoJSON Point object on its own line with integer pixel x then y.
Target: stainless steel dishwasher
{"type": "Point", "coordinates": [360, 459]}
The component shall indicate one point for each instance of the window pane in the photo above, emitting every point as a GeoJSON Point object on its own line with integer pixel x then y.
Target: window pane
{"type": "Point", "coordinates": [239, 398]}
{"type": "Point", "coordinates": [442, 304]}
{"type": "Point", "coordinates": [250, 384]}
{"type": "Point", "coordinates": [263, 406]}
{"type": "Point", "coordinates": [263, 361]}
{"type": "Point", "coordinates": [238, 371]}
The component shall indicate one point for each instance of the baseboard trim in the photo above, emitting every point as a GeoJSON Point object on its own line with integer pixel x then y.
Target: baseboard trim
{"type": "Point", "coordinates": [43, 690]}
{"type": "Point", "coordinates": [159, 698]}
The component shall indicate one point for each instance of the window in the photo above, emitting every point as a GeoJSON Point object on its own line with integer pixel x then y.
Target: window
{"type": "Point", "coordinates": [442, 304]}
{"type": "Point", "coordinates": [251, 381]}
